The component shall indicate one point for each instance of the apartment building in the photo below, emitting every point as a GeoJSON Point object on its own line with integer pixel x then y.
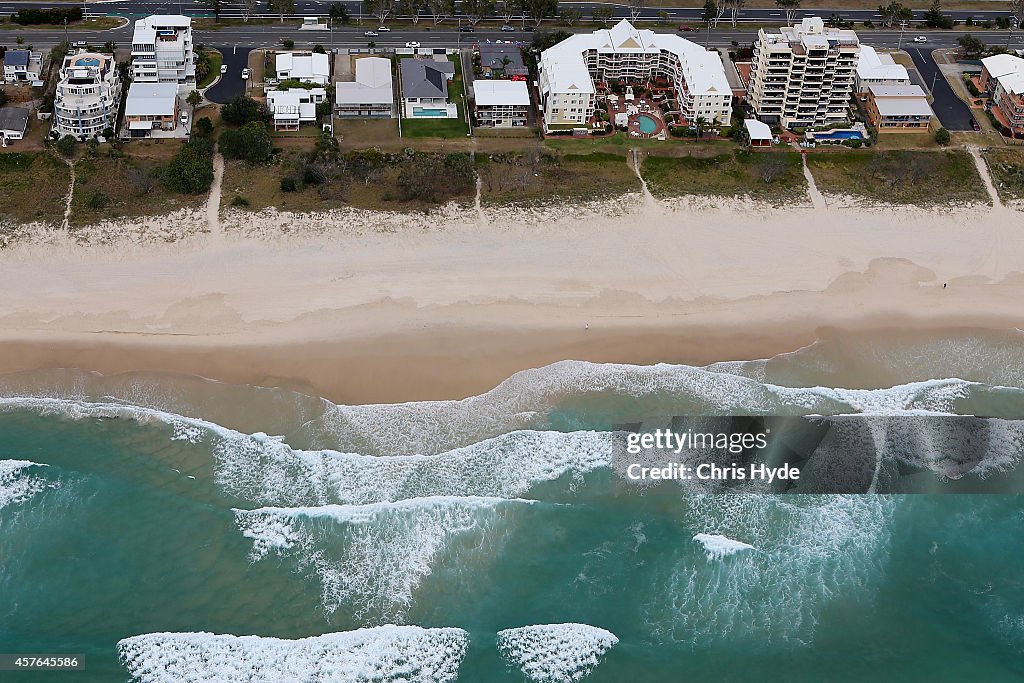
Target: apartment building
{"type": "Point", "coordinates": [501, 104]}
{"type": "Point", "coordinates": [1002, 76]}
{"type": "Point", "coordinates": [87, 96]}
{"type": "Point", "coordinates": [570, 70]}
{"type": "Point", "coordinates": [804, 75]}
{"type": "Point", "coordinates": [162, 50]}
{"type": "Point", "coordinates": [149, 107]}
{"type": "Point", "coordinates": [898, 108]}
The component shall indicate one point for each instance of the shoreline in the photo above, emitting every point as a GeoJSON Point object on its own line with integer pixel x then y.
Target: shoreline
{"type": "Point", "coordinates": [397, 313]}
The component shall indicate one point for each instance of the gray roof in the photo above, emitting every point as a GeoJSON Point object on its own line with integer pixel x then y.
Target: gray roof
{"type": "Point", "coordinates": [14, 118]}
{"type": "Point", "coordinates": [151, 99]}
{"type": "Point", "coordinates": [492, 56]}
{"type": "Point", "coordinates": [421, 78]}
{"type": "Point", "coordinates": [17, 58]}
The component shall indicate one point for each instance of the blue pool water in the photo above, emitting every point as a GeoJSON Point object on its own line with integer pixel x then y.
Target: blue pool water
{"type": "Point", "coordinates": [87, 61]}
{"type": "Point", "coordinates": [421, 111]}
{"type": "Point", "coordinates": [840, 135]}
{"type": "Point", "coordinates": [647, 124]}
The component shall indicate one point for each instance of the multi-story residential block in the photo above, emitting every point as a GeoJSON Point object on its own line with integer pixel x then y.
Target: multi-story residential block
{"type": "Point", "coordinates": [898, 108]}
{"type": "Point", "coordinates": [307, 67]}
{"type": "Point", "coordinates": [151, 106]}
{"type": "Point", "coordinates": [87, 96]}
{"type": "Point", "coordinates": [569, 71]}
{"type": "Point", "coordinates": [1002, 76]}
{"type": "Point", "coordinates": [501, 104]}
{"type": "Point", "coordinates": [878, 68]}
{"type": "Point", "coordinates": [294, 106]}
{"type": "Point", "coordinates": [22, 66]}
{"type": "Point", "coordinates": [162, 50]}
{"type": "Point", "coordinates": [804, 75]}
{"type": "Point", "coordinates": [371, 94]}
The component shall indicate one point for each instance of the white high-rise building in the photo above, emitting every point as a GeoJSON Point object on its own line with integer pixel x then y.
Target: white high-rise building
{"type": "Point", "coordinates": [162, 50]}
{"type": "Point", "coordinates": [87, 96]}
{"type": "Point", "coordinates": [804, 75]}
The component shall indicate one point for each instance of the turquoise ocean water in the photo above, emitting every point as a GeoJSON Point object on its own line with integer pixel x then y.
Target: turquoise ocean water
{"type": "Point", "coordinates": [141, 514]}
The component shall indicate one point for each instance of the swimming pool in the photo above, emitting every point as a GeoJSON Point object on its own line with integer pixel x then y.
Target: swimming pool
{"type": "Point", "coordinates": [422, 111]}
{"type": "Point", "coordinates": [841, 135]}
{"type": "Point", "coordinates": [647, 124]}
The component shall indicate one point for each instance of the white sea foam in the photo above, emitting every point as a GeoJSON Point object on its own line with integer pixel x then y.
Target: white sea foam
{"type": "Point", "coordinates": [18, 484]}
{"type": "Point", "coordinates": [810, 550]}
{"type": "Point", "coordinates": [406, 654]}
{"type": "Point", "coordinates": [372, 558]}
{"type": "Point", "coordinates": [717, 546]}
{"type": "Point", "coordinates": [555, 653]}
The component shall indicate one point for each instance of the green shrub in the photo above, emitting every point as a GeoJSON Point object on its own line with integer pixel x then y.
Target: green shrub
{"type": "Point", "coordinates": [288, 184]}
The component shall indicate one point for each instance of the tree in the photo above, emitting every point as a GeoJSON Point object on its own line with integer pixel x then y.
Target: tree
{"type": "Point", "coordinates": [282, 7]}
{"type": "Point", "coordinates": [243, 110]}
{"type": "Point", "coordinates": [319, 49]}
{"type": "Point", "coordinates": [699, 124]}
{"type": "Point", "coordinates": [411, 9]}
{"type": "Point", "coordinates": [510, 8]}
{"type": "Point", "coordinates": [248, 7]}
{"type": "Point", "coordinates": [431, 178]}
{"type": "Point", "coordinates": [772, 166]}
{"type": "Point", "coordinates": [339, 12]}
{"type": "Point", "coordinates": [440, 9]}
{"type": "Point", "coordinates": [972, 47]}
{"type": "Point", "coordinates": [934, 18]}
{"type": "Point", "coordinates": [734, 9]}
{"type": "Point", "coordinates": [251, 142]}
{"type": "Point", "coordinates": [569, 16]}
{"type": "Point", "coordinates": [194, 99]}
{"type": "Point", "coordinates": [475, 10]}
{"type": "Point", "coordinates": [635, 8]}
{"type": "Point", "coordinates": [382, 9]}
{"type": "Point", "coordinates": [602, 14]}
{"type": "Point", "coordinates": [214, 6]}
{"type": "Point", "coordinates": [539, 10]}
{"type": "Point", "coordinates": [894, 12]}
{"type": "Point", "coordinates": [191, 169]}
{"type": "Point", "coordinates": [109, 46]}
{"type": "Point", "coordinates": [203, 127]}
{"type": "Point", "coordinates": [789, 8]}
{"type": "Point", "coordinates": [287, 43]}
{"type": "Point", "coordinates": [288, 184]}
{"type": "Point", "coordinates": [942, 136]}
{"type": "Point", "coordinates": [1017, 11]}
{"type": "Point", "coordinates": [66, 145]}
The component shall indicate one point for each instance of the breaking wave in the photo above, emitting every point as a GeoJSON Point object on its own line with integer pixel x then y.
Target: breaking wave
{"type": "Point", "coordinates": [717, 546]}
{"type": "Point", "coordinates": [555, 653]}
{"type": "Point", "coordinates": [18, 483]}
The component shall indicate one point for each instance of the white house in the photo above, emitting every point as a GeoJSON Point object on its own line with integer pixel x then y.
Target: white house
{"type": "Point", "coordinates": [878, 68]}
{"type": "Point", "coordinates": [151, 106]}
{"type": "Point", "coordinates": [307, 67]}
{"type": "Point", "coordinates": [22, 66]}
{"type": "Point", "coordinates": [501, 104]}
{"type": "Point", "coordinates": [425, 89]}
{"type": "Point", "coordinates": [568, 72]}
{"type": "Point", "coordinates": [294, 106]}
{"type": "Point", "coordinates": [372, 92]}
{"type": "Point", "coordinates": [13, 124]}
{"type": "Point", "coordinates": [162, 50]}
{"type": "Point", "coordinates": [87, 96]}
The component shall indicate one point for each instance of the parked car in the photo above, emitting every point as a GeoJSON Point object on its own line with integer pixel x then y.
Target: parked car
{"type": "Point", "coordinates": [685, 27]}
{"type": "Point", "coordinates": [507, 28]}
{"type": "Point", "coordinates": [921, 39]}
{"type": "Point", "coordinates": [184, 118]}
{"type": "Point", "coordinates": [529, 29]}
{"type": "Point", "coordinates": [245, 74]}
{"type": "Point", "coordinates": [383, 29]}
{"type": "Point", "coordinates": [466, 29]}
{"type": "Point", "coordinates": [975, 125]}
{"type": "Point", "coordinates": [370, 34]}
{"type": "Point", "coordinates": [413, 44]}
{"type": "Point", "coordinates": [223, 68]}
{"type": "Point", "coordinates": [78, 43]}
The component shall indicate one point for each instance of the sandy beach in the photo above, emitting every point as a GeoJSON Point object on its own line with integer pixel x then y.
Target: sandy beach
{"type": "Point", "coordinates": [379, 308]}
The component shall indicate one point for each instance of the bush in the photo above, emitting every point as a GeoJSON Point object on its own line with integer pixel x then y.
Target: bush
{"type": "Point", "coordinates": [288, 43]}
{"type": "Point", "coordinates": [288, 184]}
{"type": "Point", "coordinates": [432, 178]}
{"type": "Point", "coordinates": [97, 200]}
{"type": "Point", "coordinates": [319, 49]}
{"type": "Point", "coordinates": [251, 142]}
{"type": "Point", "coordinates": [31, 17]}
{"type": "Point", "coordinates": [243, 110]}
{"type": "Point", "coordinates": [942, 136]}
{"type": "Point", "coordinates": [239, 200]}
{"type": "Point", "coordinates": [969, 82]}
{"type": "Point", "coordinates": [108, 134]}
{"type": "Point", "coordinates": [66, 145]}
{"type": "Point", "coordinates": [191, 169]}
{"type": "Point", "coordinates": [203, 127]}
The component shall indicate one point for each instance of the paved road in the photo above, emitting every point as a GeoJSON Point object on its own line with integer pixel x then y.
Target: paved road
{"type": "Point", "coordinates": [231, 84]}
{"type": "Point", "coordinates": [953, 113]}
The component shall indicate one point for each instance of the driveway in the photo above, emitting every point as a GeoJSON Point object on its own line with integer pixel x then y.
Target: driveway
{"type": "Point", "coordinates": [953, 113]}
{"type": "Point", "coordinates": [231, 84]}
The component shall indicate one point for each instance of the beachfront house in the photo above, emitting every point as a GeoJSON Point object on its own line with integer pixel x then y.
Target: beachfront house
{"type": "Point", "coordinates": [305, 67]}
{"type": "Point", "coordinates": [898, 108]}
{"type": "Point", "coordinates": [13, 124]}
{"type": "Point", "coordinates": [371, 94]}
{"type": "Point", "coordinates": [570, 71]}
{"type": "Point", "coordinates": [162, 50]}
{"type": "Point", "coordinates": [804, 75]}
{"type": "Point", "coordinates": [22, 66]}
{"type": "Point", "coordinates": [151, 107]}
{"type": "Point", "coordinates": [425, 89]}
{"type": "Point", "coordinates": [292, 107]}
{"type": "Point", "coordinates": [878, 68]}
{"type": "Point", "coordinates": [1002, 77]}
{"type": "Point", "coordinates": [87, 96]}
{"type": "Point", "coordinates": [758, 133]}
{"type": "Point", "coordinates": [502, 60]}
{"type": "Point", "coordinates": [501, 104]}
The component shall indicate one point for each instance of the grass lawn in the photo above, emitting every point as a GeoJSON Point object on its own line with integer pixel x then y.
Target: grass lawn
{"type": "Point", "coordinates": [727, 173]}
{"type": "Point", "coordinates": [111, 187]}
{"type": "Point", "coordinates": [33, 187]}
{"type": "Point", "coordinates": [1007, 169]}
{"type": "Point", "coordinates": [621, 142]}
{"type": "Point", "coordinates": [540, 176]}
{"type": "Point", "coordinates": [98, 24]}
{"type": "Point", "coordinates": [918, 178]}
{"type": "Point", "coordinates": [216, 59]}
{"type": "Point", "coordinates": [358, 133]}
{"type": "Point", "coordinates": [906, 141]}
{"type": "Point", "coordinates": [441, 128]}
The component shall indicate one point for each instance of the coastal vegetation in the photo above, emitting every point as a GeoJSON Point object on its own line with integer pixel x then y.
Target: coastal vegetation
{"type": "Point", "coordinates": [1007, 169]}
{"type": "Point", "coordinates": [916, 177]}
{"type": "Point", "coordinates": [33, 186]}
{"type": "Point", "coordinates": [772, 176]}
{"type": "Point", "coordinates": [538, 176]}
